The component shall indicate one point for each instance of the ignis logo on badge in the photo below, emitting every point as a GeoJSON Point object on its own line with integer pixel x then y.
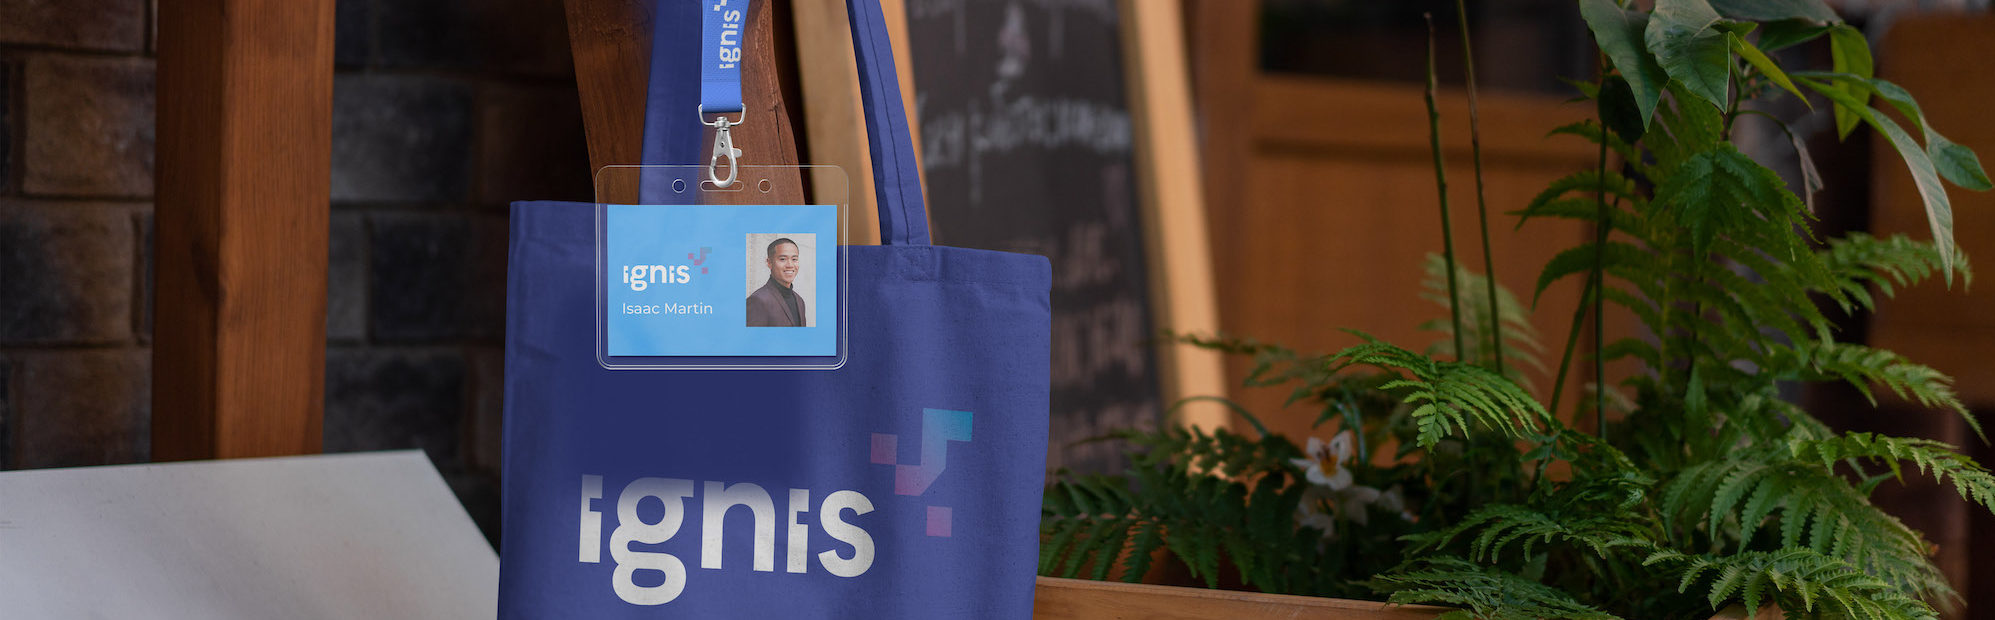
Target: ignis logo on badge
{"type": "Point", "coordinates": [640, 277]}
{"type": "Point", "coordinates": [717, 498]}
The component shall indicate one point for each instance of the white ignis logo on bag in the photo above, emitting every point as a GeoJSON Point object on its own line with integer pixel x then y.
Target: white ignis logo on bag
{"type": "Point", "coordinates": [730, 35]}
{"type": "Point", "coordinates": [716, 499]}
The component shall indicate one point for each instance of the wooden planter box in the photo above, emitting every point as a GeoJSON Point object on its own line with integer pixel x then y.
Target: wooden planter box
{"type": "Point", "coordinates": [1078, 599]}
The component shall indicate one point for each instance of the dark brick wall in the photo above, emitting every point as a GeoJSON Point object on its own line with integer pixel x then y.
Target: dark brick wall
{"type": "Point", "coordinates": [444, 111]}
{"type": "Point", "coordinates": [89, 126]}
{"type": "Point", "coordinates": [7, 106]}
{"type": "Point", "coordinates": [76, 146]}
{"type": "Point", "coordinates": [93, 25]}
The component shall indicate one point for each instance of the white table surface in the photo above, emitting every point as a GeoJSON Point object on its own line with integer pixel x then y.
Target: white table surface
{"type": "Point", "coordinates": [372, 535]}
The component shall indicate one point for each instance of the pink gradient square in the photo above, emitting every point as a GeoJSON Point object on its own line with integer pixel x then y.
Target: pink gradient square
{"type": "Point", "coordinates": [885, 449]}
{"type": "Point", "coordinates": [938, 521]}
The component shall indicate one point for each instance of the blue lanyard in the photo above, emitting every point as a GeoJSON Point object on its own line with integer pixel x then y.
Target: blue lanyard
{"type": "Point", "coordinates": [720, 55]}
{"type": "Point", "coordinates": [721, 28]}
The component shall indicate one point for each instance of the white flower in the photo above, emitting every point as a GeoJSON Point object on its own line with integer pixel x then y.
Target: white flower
{"type": "Point", "coordinates": [1314, 512]}
{"type": "Point", "coordinates": [1394, 499]}
{"type": "Point", "coordinates": [1326, 461]}
{"type": "Point", "coordinates": [1354, 503]}
{"type": "Point", "coordinates": [1331, 486]}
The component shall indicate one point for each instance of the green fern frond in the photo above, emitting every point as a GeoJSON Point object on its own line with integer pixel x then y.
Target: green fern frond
{"type": "Point", "coordinates": [1447, 396]}
{"type": "Point", "coordinates": [1602, 507]}
{"type": "Point", "coordinates": [1219, 451]}
{"type": "Point", "coordinates": [1689, 127]}
{"type": "Point", "coordinates": [1519, 338]}
{"type": "Point", "coordinates": [1808, 505]}
{"type": "Point", "coordinates": [1093, 526]}
{"type": "Point", "coordinates": [1496, 527]}
{"type": "Point", "coordinates": [1862, 367]}
{"type": "Point", "coordinates": [1859, 261]}
{"type": "Point", "coordinates": [1346, 396]}
{"type": "Point", "coordinates": [1587, 182]}
{"type": "Point", "coordinates": [1799, 580]}
{"type": "Point", "coordinates": [1933, 458]}
{"type": "Point", "coordinates": [1093, 523]}
{"type": "Point", "coordinates": [1722, 190]}
{"type": "Point", "coordinates": [1273, 364]}
{"type": "Point", "coordinates": [1633, 347]}
{"type": "Point", "coordinates": [1589, 130]}
{"type": "Point", "coordinates": [1483, 592]}
{"type": "Point", "coordinates": [1588, 210]}
{"type": "Point", "coordinates": [1587, 186]}
{"type": "Point", "coordinates": [1626, 261]}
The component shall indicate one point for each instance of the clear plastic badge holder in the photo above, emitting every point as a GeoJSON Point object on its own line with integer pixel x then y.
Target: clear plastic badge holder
{"type": "Point", "coordinates": [692, 275]}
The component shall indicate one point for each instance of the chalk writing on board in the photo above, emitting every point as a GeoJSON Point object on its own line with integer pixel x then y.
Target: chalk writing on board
{"type": "Point", "coordinates": [1026, 147]}
{"type": "Point", "coordinates": [964, 138]}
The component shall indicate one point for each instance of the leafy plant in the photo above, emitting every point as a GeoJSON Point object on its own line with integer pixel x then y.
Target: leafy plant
{"type": "Point", "coordinates": [1698, 486]}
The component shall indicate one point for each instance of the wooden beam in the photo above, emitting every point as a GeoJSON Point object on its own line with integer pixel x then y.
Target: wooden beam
{"type": "Point", "coordinates": [611, 43]}
{"type": "Point", "coordinates": [769, 136]}
{"type": "Point", "coordinates": [245, 134]}
{"type": "Point", "coordinates": [834, 121]}
{"type": "Point", "coordinates": [1175, 237]}
{"type": "Point", "coordinates": [894, 12]}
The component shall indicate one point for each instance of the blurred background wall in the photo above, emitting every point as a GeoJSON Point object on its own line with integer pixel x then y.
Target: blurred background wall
{"type": "Point", "coordinates": [443, 112]}
{"type": "Point", "coordinates": [1321, 204]}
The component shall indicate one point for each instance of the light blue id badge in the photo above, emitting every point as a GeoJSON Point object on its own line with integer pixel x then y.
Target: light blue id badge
{"type": "Point", "coordinates": [691, 276]}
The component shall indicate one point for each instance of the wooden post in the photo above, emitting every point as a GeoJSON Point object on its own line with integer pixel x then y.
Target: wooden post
{"type": "Point", "coordinates": [611, 43]}
{"type": "Point", "coordinates": [1179, 249]}
{"type": "Point", "coordinates": [834, 121]}
{"type": "Point", "coordinates": [768, 81]}
{"type": "Point", "coordinates": [243, 167]}
{"type": "Point", "coordinates": [1223, 39]}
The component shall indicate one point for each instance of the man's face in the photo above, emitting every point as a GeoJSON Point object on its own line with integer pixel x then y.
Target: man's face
{"type": "Point", "coordinates": [785, 263]}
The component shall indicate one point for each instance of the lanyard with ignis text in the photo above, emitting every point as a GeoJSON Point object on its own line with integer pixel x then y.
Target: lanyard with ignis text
{"type": "Point", "coordinates": [718, 265]}
{"type": "Point", "coordinates": [720, 82]}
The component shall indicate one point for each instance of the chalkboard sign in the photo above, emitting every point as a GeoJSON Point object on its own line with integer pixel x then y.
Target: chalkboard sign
{"type": "Point", "coordinates": [1026, 147]}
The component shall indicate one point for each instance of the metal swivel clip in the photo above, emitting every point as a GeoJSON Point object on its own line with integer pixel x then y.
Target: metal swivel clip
{"type": "Point", "coordinates": [723, 147]}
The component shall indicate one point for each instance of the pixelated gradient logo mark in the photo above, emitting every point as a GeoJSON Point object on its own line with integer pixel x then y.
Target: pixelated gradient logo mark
{"type": "Point", "coordinates": [701, 260]}
{"type": "Point", "coordinates": [938, 428]}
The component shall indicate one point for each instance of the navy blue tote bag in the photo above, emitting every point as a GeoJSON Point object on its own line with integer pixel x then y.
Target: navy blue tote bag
{"type": "Point", "coordinates": [905, 484]}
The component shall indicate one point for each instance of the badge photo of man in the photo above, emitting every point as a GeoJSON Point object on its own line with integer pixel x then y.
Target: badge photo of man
{"type": "Point", "coordinates": [777, 303]}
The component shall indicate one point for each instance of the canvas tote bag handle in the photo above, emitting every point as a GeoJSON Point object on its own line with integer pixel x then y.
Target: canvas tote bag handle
{"type": "Point", "coordinates": [896, 173]}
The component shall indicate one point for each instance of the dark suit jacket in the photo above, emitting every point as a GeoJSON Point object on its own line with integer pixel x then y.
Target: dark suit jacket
{"type": "Point", "coordinates": [766, 308]}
